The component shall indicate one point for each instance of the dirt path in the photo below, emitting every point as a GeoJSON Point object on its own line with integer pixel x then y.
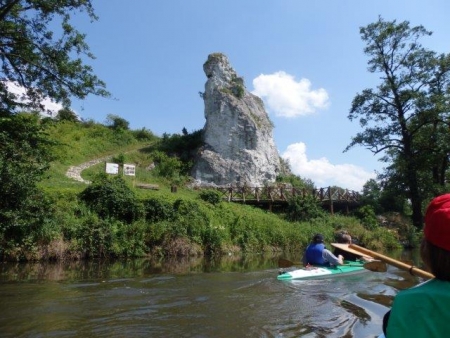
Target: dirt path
{"type": "Point", "coordinates": [74, 172]}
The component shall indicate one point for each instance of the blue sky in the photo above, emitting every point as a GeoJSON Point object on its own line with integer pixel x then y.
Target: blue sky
{"type": "Point", "coordinates": [304, 58]}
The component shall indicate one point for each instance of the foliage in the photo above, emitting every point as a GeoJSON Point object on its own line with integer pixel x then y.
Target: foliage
{"type": "Point", "coordinates": [405, 117]}
{"type": "Point", "coordinates": [367, 216]}
{"type": "Point", "coordinates": [167, 166]}
{"type": "Point", "coordinates": [42, 59]}
{"type": "Point", "coordinates": [158, 209]}
{"type": "Point", "coordinates": [112, 198]}
{"type": "Point", "coordinates": [296, 181]}
{"type": "Point", "coordinates": [67, 115]}
{"type": "Point", "coordinates": [143, 135]}
{"type": "Point", "coordinates": [25, 152]}
{"type": "Point", "coordinates": [83, 141]}
{"type": "Point", "coordinates": [95, 237]}
{"type": "Point", "coordinates": [184, 147]}
{"type": "Point", "coordinates": [117, 123]}
{"type": "Point", "coordinates": [238, 87]}
{"type": "Point", "coordinates": [211, 196]}
{"type": "Point", "coordinates": [119, 159]}
{"type": "Point", "coordinates": [107, 219]}
{"type": "Point", "coordinates": [303, 208]}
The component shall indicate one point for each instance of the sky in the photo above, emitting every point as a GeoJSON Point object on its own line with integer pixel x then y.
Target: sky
{"type": "Point", "coordinates": [305, 60]}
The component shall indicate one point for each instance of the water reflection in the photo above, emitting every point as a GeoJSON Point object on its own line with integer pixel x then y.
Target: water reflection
{"type": "Point", "coordinates": [223, 297]}
{"type": "Point", "coordinates": [104, 269]}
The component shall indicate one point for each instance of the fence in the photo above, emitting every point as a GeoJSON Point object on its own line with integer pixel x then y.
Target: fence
{"type": "Point", "coordinates": [281, 194]}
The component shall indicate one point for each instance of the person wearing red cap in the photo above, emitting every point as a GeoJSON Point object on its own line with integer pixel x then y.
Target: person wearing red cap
{"type": "Point", "coordinates": [424, 310]}
{"type": "Point", "coordinates": [317, 254]}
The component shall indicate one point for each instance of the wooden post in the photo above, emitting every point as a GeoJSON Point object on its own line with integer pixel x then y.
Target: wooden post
{"type": "Point", "coordinates": [330, 197]}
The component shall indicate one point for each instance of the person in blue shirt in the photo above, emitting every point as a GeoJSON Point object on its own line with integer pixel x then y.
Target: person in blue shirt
{"type": "Point", "coordinates": [317, 254]}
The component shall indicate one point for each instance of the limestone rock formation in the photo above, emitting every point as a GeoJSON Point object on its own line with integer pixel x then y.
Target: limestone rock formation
{"type": "Point", "coordinates": [239, 147]}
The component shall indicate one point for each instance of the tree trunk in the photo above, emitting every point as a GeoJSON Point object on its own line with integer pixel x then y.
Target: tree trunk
{"type": "Point", "coordinates": [415, 197]}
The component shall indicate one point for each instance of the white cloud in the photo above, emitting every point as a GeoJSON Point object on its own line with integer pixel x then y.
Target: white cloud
{"type": "Point", "coordinates": [50, 106]}
{"type": "Point", "coordinates": [322, 172]}
{"type": "Point", "coordinates": [286, 97]}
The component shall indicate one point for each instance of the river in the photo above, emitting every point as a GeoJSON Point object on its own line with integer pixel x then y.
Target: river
{"type": "Point", "coordinates": [230, 297]}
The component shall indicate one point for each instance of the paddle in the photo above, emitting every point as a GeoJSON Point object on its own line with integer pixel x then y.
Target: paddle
{"type": "Point", "coordinates": [376, 266]}
{"type": "Point", "coordinates": [410, 268]}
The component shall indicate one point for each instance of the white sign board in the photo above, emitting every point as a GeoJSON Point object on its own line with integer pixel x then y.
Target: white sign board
{"type": "Point", "coordinates": [129, 169]}
{"type": "Point", "coordinates": [112, 168]}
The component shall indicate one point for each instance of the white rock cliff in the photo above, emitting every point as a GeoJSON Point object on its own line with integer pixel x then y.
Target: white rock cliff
{"type": "Point", "coordinates": [239, 147]}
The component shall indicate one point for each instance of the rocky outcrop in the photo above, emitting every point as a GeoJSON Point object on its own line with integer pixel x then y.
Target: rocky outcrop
{"type": "Point", "coordinates": [239, 146]}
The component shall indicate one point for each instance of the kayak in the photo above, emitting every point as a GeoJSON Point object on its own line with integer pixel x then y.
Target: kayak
{"type": "Point", "coordinates": [312, 272]}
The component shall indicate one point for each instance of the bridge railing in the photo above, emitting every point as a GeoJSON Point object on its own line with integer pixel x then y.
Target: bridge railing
{"type": "Point", "coordinates": [284, 193]}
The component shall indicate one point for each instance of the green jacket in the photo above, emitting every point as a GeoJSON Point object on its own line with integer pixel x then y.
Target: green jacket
{"type": "Point", "coordinates": [422, 311]}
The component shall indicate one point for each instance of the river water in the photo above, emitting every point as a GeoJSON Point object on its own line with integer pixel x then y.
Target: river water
{"type": "Point", "coordinates": [231, 297]}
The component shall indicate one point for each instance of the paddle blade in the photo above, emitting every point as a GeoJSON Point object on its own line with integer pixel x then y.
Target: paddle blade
{"type": "Point", "coordinates": [285, 263]}
{"type": "Point", "coordinates": [376, 266]}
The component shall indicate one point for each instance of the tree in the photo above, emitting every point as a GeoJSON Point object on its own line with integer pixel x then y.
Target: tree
{"type": "Point", "coordinates": [116, 122]}
{"type": "Point", "coordinates": [38, 60]}
{"type": "Point", "coordinates": [371, 194]}
{"type": "Point", "coordinates": [406, 116]}
{"type": "Point", "coordinates": [303, 208]}
{"type": "Point", "coordinates": [67, 115]}
{"type": "Point", "coordinates": [41, 61]}
{"type": "Point", "coordinates": [25, 153]}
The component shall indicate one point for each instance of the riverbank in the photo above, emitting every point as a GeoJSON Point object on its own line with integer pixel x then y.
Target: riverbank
{"type": "Point", "coordinates": [111, 217]}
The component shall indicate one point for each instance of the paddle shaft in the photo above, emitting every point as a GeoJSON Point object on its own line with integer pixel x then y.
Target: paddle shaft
{"type": "Point", "coordinates": [410, 268]}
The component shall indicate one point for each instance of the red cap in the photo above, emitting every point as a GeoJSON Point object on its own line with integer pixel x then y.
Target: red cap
{"type": "Point", "coordinates": [437, 222]}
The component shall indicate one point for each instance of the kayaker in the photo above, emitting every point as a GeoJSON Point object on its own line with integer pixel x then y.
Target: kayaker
{"type": "Point", "coordinates": [345, 238]}
{"type": "Point", "coordinates": [317, 254]}
{"type": "Point", "coordinates": [424, 310]}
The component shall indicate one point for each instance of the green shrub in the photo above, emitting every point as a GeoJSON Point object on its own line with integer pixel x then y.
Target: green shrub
{"type": "Point", "coordinates": [211, 196]}
{"type": "Point", "coordinates": [191, 219]}
{"type": "Point", "coordinates": [304, 208]}
{"type": "Point", "coordinates": [166, 166]}
{"type": "Point", "coordinates": [143, 135]}
{"type": "Point", "coordinates": [367, 216]}
{"type": "Point", "coordinates": [112, 198]}
{"type": "Point", "coordinates": [130, 239]}
{"type": "Point", "coordinates": [158, 209]}
{"type": "Point", "coordinates": [95, 237]}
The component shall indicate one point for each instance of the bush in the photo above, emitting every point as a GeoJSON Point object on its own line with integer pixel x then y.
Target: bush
{"type": "Point", "coordinates": [303, 209]}
{"type": "Point", "coordinates": [143, 135]}
{"type": "Point", "coordinates": [95, 237]}
{"type": "Point", "coordinates": [130, 239]}
{"type": "Point", "coordinates": [158, 209]}
{"type": "Point", "coordinates": [367, 216]}
{"type": "Point", "coordinates": [112, 198]}
{"type": "Point", "coordinates": [167, 167]}
{"type": "Point", "coordinates": [211, 196]}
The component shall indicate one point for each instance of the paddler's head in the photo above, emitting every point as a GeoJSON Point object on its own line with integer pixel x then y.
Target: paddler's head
{"type": "Point", "coordinates": [318, 238]}
{"type": "Point", "coordinates": [435, 248]}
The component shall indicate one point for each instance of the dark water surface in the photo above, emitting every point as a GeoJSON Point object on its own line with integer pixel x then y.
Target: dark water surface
{"type": "Point", "coordinates": [233, 297]}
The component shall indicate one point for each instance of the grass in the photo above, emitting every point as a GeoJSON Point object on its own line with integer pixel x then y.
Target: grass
{"type": "Point", "coordinates": [196, 227]}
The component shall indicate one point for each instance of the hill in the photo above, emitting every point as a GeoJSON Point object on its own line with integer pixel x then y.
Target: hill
{"type": "Point", "coordinates": [115, 217]}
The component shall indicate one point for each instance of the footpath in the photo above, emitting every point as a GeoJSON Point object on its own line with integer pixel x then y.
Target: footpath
{"type": "Point", "coordinates": [74, 172]}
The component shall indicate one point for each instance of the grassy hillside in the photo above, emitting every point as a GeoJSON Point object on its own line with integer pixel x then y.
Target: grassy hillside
{"type": "Point", "coordinates": [113, 217]}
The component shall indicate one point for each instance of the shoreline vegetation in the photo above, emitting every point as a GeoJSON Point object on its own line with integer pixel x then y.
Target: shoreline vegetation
{"type": "Point", "coordinates": [113, 218]}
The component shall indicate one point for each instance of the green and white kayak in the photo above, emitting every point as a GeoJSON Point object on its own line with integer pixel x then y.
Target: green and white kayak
{"type": "Point", "coordinates": [313, 272]}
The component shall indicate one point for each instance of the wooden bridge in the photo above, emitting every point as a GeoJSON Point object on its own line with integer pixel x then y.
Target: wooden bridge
{"type": "Point", "coordinates": [279, 195]}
